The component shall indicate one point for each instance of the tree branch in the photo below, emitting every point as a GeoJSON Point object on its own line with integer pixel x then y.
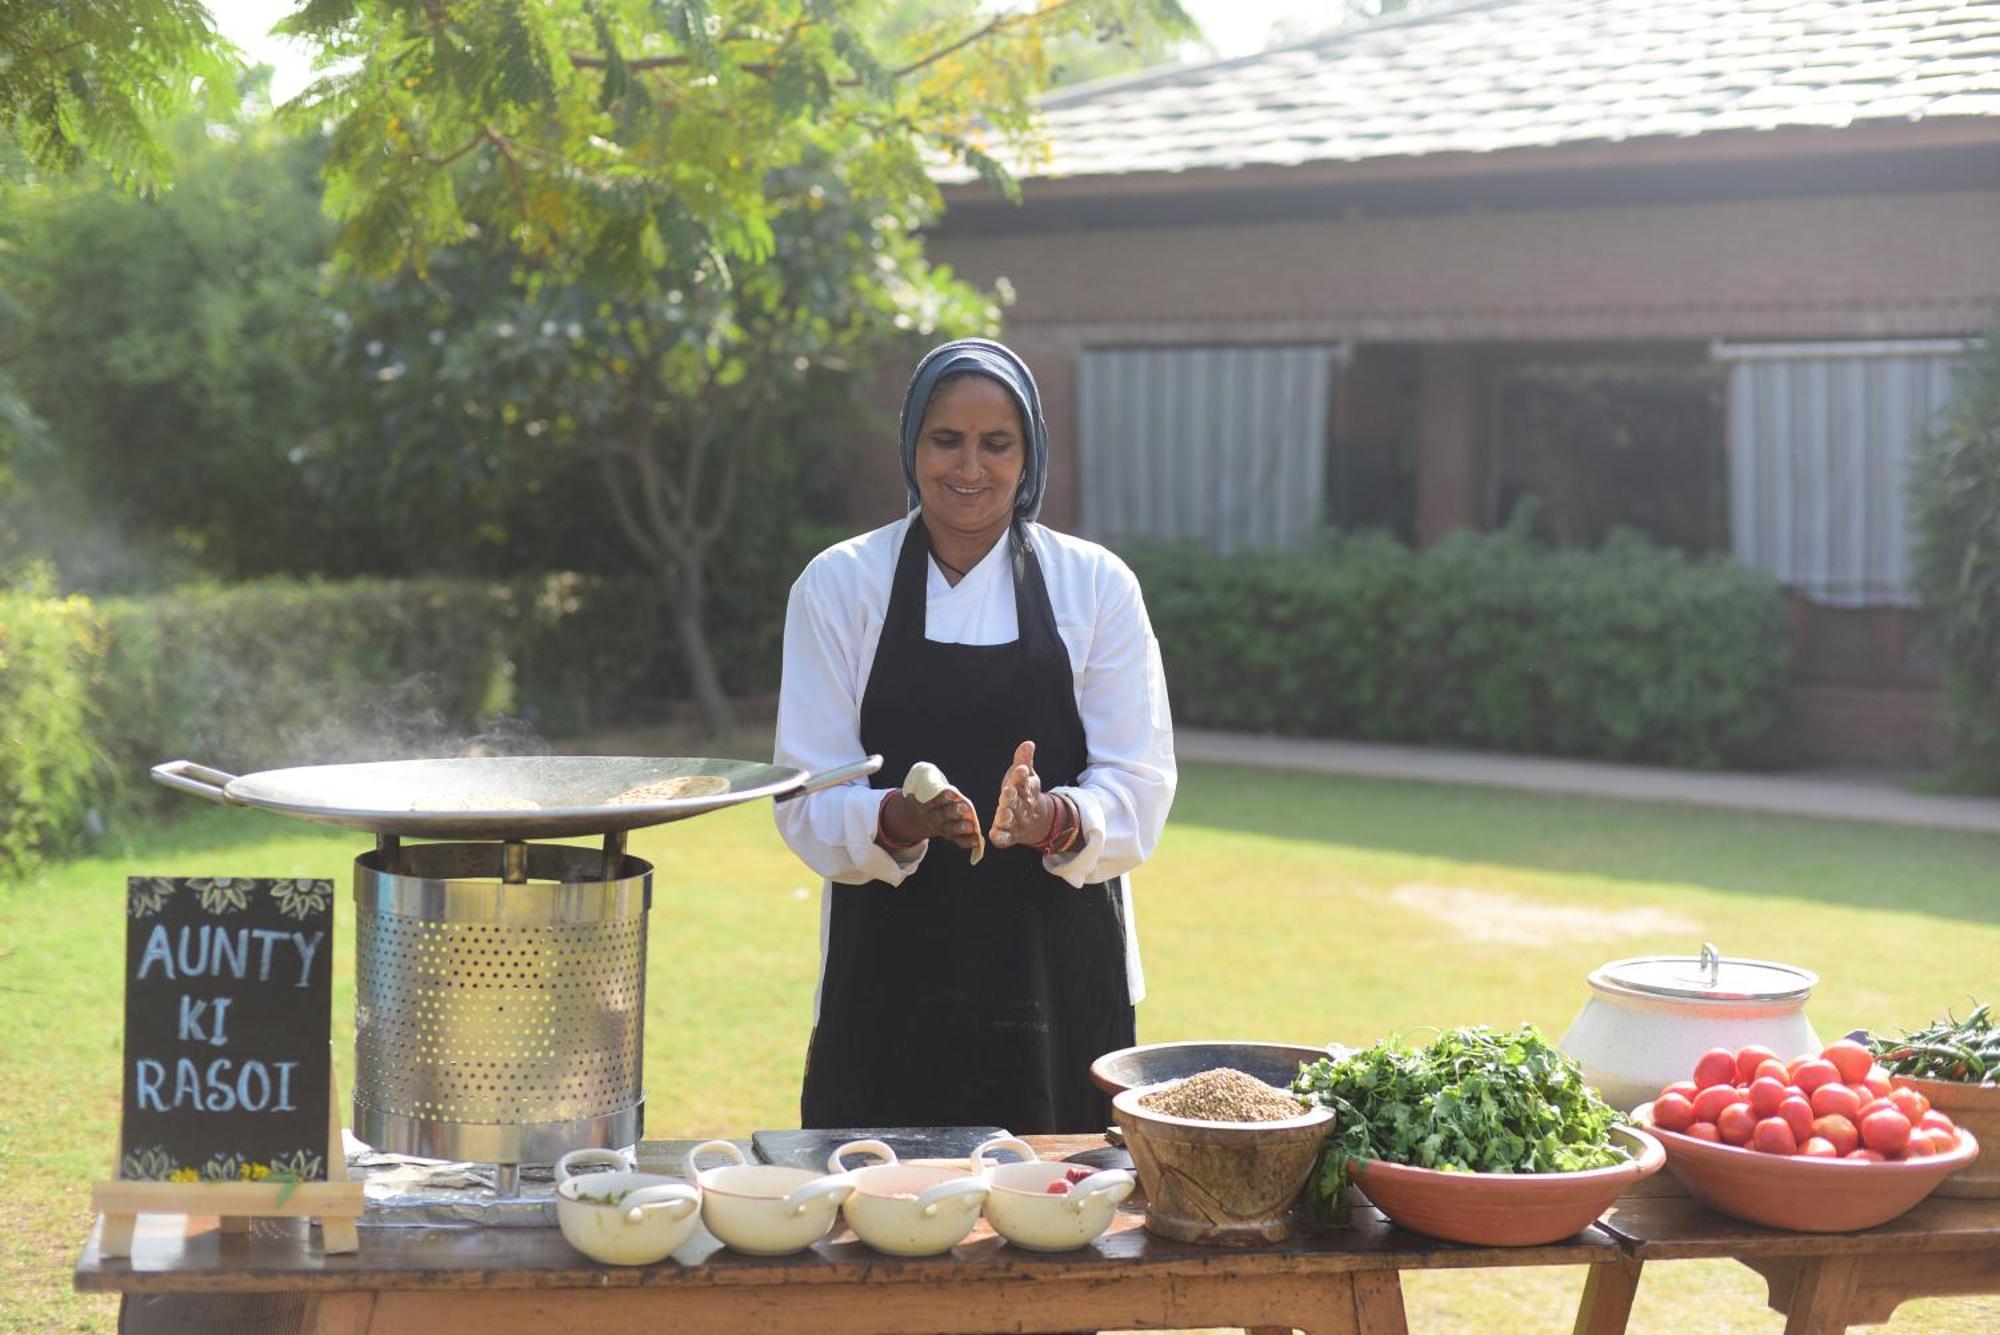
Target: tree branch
{"type": "Point", "coordinates": [621, 510]}
{"type": "Point", "coordinates": [500, 142]}
{"type": "Point", "coordinates": [582, 61]}
{"type": "Point", "coordinates": [999, 24]}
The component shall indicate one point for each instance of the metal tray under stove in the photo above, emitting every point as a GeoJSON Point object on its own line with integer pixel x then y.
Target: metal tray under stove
{"type": "Point", "coordinates": [503, 797]}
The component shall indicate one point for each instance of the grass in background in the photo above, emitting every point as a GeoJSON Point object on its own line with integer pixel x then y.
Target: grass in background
{"type": "Point", "coordinates": [1279, 906]}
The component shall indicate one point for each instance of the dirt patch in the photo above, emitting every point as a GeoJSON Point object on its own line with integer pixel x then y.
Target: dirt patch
{"type": "Point", "coordinates": [1502, 919]}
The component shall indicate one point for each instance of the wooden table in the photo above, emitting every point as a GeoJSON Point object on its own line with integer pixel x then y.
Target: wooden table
{"type": "Point", "coordinates": [1822, 1282]}
{"type": "Point", "coordinates": [497, 1281]}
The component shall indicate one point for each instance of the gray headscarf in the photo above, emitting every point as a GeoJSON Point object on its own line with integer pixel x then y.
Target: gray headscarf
{"type": "Point", "coordinates": [998, 362]}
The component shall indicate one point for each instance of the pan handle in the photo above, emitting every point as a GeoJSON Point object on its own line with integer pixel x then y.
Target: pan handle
{"type": "Point", "coordinates": [831, 778]}
{"type": "Point", "coordinates": [200, 780]}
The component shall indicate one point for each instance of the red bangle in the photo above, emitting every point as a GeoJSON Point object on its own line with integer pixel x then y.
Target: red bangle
{"type": "Point", "coordinates": [1063, 830]}
{"type": "Point", "coordinates": [882, 829]}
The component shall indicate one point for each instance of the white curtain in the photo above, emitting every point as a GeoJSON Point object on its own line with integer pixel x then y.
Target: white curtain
{"type": "Point", "coordinates": [1225, 445]}
{"type": "Point", "coordinates": [1821, 437]}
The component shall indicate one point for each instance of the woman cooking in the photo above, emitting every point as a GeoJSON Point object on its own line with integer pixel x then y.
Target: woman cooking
{"type": "Point", "coordinates": [962, 983]}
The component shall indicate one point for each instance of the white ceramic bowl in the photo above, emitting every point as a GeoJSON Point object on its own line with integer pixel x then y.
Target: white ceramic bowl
{"type": "Point", "coordinates": [765, 1209]}
{"type": "Point", "coordinates": [1022, 1210]}
{"type": "Point", "coordinates": [908, 1209]}
{"type": "Point", "coordinates": [622, 1217]}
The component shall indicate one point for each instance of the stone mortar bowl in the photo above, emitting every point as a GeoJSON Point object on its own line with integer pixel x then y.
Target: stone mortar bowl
{"type": "Point", "coordinates": [1222, 1183]}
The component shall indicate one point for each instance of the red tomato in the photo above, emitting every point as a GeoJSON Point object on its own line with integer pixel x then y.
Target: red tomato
{"type": "Point", "coordinates": [1819, 1148]}
{"type": "Point", "coordinates": [1835, 1100]}
{"type": "Point", "coordinates": [1747, 1060]}
{"type": "Point", "coordinates": [1933, 1120]}
{"type": "Point", "coordinates": [1686, 1088]}
{"type": "Point", "coordinates": [1773, 1070]}
{"type": "Point", "coordinates": [1865, 1156]}
{"type": "Point", "coordinates": [1886, 1130]}
{"type": "Point", "coordinates": [1872, 1106]}
{"type": "Point", "coordinates": [1920, 1146]}
{"type": "Point", "coordinates": [1673, 1112]}
{"type": "Point", "coordinates": [1056, 1188]}
{"type": "Point", "coordinates": [1945, 1141]}
{"type": "Point", "coordinates": [1708, 1104]}
{"type": "Point", "coordinates": [1704, 1131]}
{"type": "Point", "coordinates": [1850, 1059]}
{"type": "Point", "coordinates": [1839, 1132]}
{"type": "Point", "coordinates": [1737, 1124]}
{"type": "Point", "coordinates": [1765, 1096]}
{"type": "Point", "coordinates": [1798, 1115]}
{"type": "Point", "coordinates": [1716, 1067]}
{"type": "Point", "coordinates": [1878, 1082]}
{"type": "Point", "coordinates": [1910, 1103]}
{"type": "Point", "coordinates": [1773, 1136]}
{"type": "Point", "coordinates": [1812, 1074]}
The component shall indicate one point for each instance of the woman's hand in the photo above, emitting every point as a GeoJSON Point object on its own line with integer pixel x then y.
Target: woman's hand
{"type": "Point", "coordinates": [1024, 813]}
{"type": "Point", "coordinates": [907, 822]}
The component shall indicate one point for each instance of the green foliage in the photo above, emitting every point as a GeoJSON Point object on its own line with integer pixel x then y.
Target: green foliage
{"type": "Point", "coordinates": [286, 672]}
{"type": "Point", "coordinates": [608, 135]}
{"type": "Point", "coordinates": [685, 424]}
{"type": "Point", "coordinates": [1073, 58]}
{"type": "Point", "coordinates": [1472, 1101]}
{"type": "Point", "coordinates": [1956, 492]}
{"type": "Point", "coordinates": [283, 672]}
{"type": "Point", "coordinates": [94, 82]}
{"type": "Point", "coordinates": [50, 650]}
{"type": "Point", "coordinates": [166, 347]}
{"type": "Point", "coordinates": [1625, 652]}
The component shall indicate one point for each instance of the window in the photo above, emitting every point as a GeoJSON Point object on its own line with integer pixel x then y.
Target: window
{"type": "Point", "coordinates": [1820, 440]}
{"type": "Point", "coordinates": [1222, 445]}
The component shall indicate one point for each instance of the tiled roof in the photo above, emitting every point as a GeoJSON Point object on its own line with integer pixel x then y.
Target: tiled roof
{"type": "Point", "coordinates": [1504, 74]}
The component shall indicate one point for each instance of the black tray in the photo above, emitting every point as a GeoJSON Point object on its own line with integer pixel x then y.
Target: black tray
{"type": "Point", "coordinates": [811, 1149]}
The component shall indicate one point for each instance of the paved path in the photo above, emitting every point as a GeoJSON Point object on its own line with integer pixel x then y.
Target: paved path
{"type": "Point", "coordinates": [1804, 795]}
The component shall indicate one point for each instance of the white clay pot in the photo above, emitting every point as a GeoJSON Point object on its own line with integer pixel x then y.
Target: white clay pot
{"type": "Point", "coordinates": [765, 1209]}
{"type": "Point", "coordinates": [1649, 1019]}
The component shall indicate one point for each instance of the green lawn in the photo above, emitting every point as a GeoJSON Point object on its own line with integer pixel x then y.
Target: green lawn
{"type": "Point", "coordinates": [1279, 906]}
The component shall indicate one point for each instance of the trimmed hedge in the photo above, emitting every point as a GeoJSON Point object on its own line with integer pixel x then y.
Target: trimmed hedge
{"type": "Point", "coordinates": [49, 759]}
{"type": "Point", "coordinates": [1626, 652]}
{"type": "Point", "coordinates": [283, 672]}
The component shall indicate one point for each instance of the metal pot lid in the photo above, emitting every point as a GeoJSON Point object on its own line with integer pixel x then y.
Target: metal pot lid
{"type": "Point", "coordinates": [1708, 976]}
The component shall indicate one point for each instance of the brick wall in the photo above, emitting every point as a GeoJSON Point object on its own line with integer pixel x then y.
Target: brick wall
{"type": "Point", "coordinates": [1863, 266]}
{"type": "Point", "coordinates": [1859, 266]}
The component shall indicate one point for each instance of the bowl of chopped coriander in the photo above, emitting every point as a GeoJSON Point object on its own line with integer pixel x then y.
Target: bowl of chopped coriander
{"type": "Point", "coordinates": [1222, 1156]}
{"type": "Point", "coordinates": [1483, 1137]}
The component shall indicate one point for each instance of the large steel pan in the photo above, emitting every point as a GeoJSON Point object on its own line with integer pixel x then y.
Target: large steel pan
{"type": "Point", "coordinates": [504, 797]}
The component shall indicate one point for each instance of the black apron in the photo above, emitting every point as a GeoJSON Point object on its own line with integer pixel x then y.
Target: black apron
{"type": "Point", "coordinates": [969, 996]}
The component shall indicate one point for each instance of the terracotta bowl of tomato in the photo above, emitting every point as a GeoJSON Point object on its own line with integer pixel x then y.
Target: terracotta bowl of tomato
{"type": "Point", "coordinates": [1805, 1194]}
{"type": "Point", "coordinates": [1506, 1209]}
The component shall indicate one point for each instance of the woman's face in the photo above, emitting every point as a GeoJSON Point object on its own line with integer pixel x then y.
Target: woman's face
{"type": "Point", "coordinates": [970, 453]}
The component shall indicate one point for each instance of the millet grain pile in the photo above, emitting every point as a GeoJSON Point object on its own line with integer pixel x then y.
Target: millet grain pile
{"type": "Point", "coordinates": [1223, 1095]}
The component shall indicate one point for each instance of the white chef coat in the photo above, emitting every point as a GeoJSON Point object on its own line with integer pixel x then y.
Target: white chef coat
{"type": "Point", "coordinates": [833, 623]}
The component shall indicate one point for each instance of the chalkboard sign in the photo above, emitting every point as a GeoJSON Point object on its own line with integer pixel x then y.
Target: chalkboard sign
{"type": "Point", "coordinates": [228, 999]}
